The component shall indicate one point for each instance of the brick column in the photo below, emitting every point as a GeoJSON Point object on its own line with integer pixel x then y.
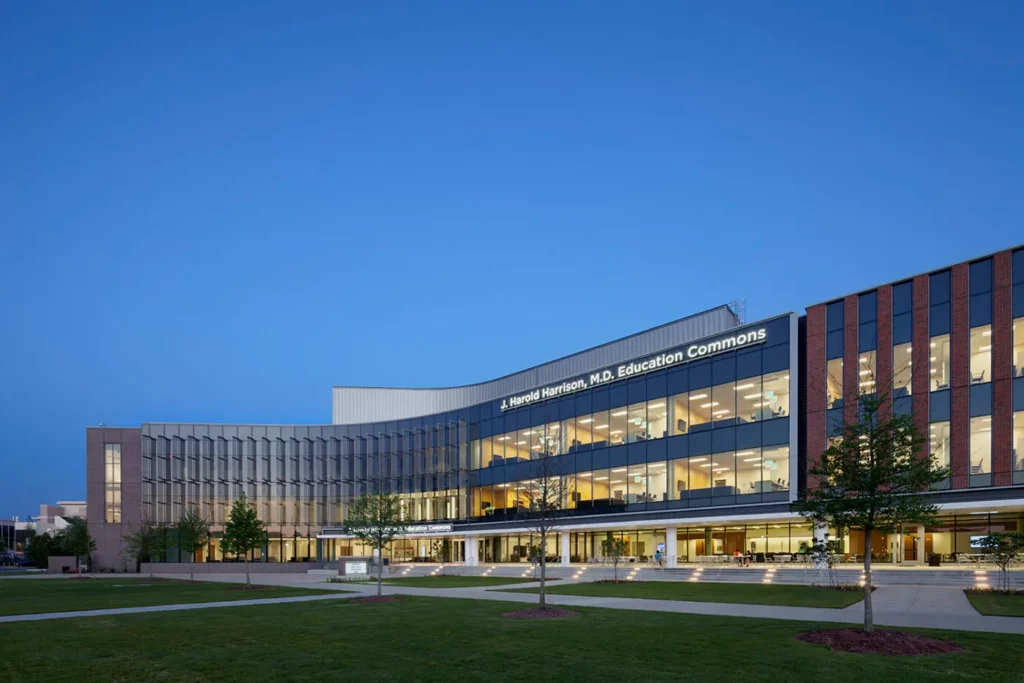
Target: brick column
{"type": "Point", "coordinates": [814, 386]}
{"type": "Point", "coordinates": [960, 343]}
{"type": "Point", "coordinates": [1002, 359]}
{"type": "Point", "coordinates": [851, 365]}
{"type": "Point", "coordinates": [920, 381]}
{"type": "Point", "coordinates": [883, 352]}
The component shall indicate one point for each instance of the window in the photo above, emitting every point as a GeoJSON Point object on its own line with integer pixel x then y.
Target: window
{"type": "Point", "coordinates": [901, 370]}
{"type": "Point", "coordinates": [866, 373]}
{"type": "Point", "coordinates": [679, 413]}
{"type": "Point", "coordinates": [775, 463]}
{"type": "Point", "coordinates": [981, 449]}
{"type": "Point", "coordinates": [657, 419]}
{"type": "Point", "coordinates": [657, 482]}
{"type": "Point", "coordinates": [679, 478]}
{"type": "Point", "coordinates": [748, 399]}
{"type": "Point", "coordinates": [775, 395]}
{"type": "Point", "coordinates": [748, 471]}
{"type": "Point", "coordinates": [939, 362]}
{"type": "Point", "coordinates": [1017, 448]}
{"type": "Point", "coordinates": [700, 408]}
{"type": "Point", "coordinates": [723, 474]}
{"type": "Point", "coordinates": [723, 398]}
{"type": "Point", "coordinates": [1018, 347]}
{"type": "Point", "coordinates": [617, 431]}
{"type": "Point", "coordinates": [981, 354]}
{"type": "Point", "coordinates": [636, 428]}
{"type": "Point", "coordinates": [938, 443]}
{"type": "Point", "coordinates": [700, 476]}
{"type": "Point", "coordinates": [112, 482]}
{"type": "Point", "coordinates": [834, 383]}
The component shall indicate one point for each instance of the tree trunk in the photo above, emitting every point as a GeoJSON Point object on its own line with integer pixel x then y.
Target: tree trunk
{"type": "Point", "coordinates": [380, 572]}
{"type": "Point", "coordinates": [191, 570]}
{"type": "Point", "coordinates": [869, 615]}
{"type": "Point", "coordinates": [151, 569]}
{"type": "Point", "coordinates": [543, 569]}
{"type": "Point", "coordinates": [248, 583]}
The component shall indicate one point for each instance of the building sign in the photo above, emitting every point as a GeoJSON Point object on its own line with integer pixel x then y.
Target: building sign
{"type": "Point", "coordinates": [427, 528]}
{"type": "Point", "coordinates": [355, 567]}
{"type": "Point", "coordinates": [664, 360]}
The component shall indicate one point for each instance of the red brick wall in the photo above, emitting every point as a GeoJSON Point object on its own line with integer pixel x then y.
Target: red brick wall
{"type": "Point", "coordinates": [1002, 359]}
{"type": "Point", "coordinates": [960, 341]}
{"type": "Point", "coordinates": [851, 365]}
{"type": "Point", "coordinates": [921, 353]}
{"type": "Point", "coordinates": [883, 352]}
{"type": "Point", "coordinates": [815, 385]}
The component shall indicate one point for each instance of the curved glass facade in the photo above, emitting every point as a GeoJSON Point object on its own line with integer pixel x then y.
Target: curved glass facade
{"type": "Point", "coordinates": [714, 431]}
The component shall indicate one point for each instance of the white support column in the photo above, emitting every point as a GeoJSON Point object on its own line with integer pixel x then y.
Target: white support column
{"type": "Point", "coordinates": [670, 547]}
{"type": "Point", "coordinates": [563, 538]}
{"type": "Point", "coordinates": [820, 532]}
{"type": "Point", "coordinates": [472, 552]}
{"type": "Point", "coordinates": [920, 545]}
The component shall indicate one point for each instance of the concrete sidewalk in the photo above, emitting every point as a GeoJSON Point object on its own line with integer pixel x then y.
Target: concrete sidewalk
{"type": "Point", "coordinates": [901, 606]}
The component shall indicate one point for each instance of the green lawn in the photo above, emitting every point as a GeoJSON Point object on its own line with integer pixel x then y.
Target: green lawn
{"type": "Point", "coordinates": [995, 605]}
{"type": "Point", "coordinates": [445, 581]}
{"type": "Point", "coordinates": [746, 593]}
{"type": "Point", "coordinates": [438, 639]}
{"type": "Point", "coordinates": [30, 596]}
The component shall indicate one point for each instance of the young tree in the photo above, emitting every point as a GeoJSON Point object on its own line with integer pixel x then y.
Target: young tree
{"type": "Point", "coordinates": [375, 519]}
{"type": "Point", "coordinates": [872, 478]}
{"type": "Point", "coordinates": [825, 555]}
{"type": "Point", "coordinates": [193, 533]}
{"type": "Point", "coordinates": [615, 549]}
{"type": "Point", "coordinates": [1004, 548]}
{"type": "Point", "coordinates": [75, 540]}
{"type": "Point", "coordinates": [243, 532]}
{"type": "Point", "coordinates": [546, 495]}
{"type": "Point", "coordinates": [147, 542]}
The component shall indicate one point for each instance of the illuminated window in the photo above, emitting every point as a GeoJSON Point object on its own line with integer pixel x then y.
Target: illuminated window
{"type": "Point", "coordinates": [866, 380]}
{"type": "Point", "coordinates": [112, 481]}
{"type": "Point", "coordinates": [939, 362]}
{"type": "Point", "coordinates": [981, 354]}
{"type": "Point", "coordinates": [981, 447]}
{"type": "Point", "coordinates": [775, 393]}
{"type": "Point", "coordinates": [901, 370]}
{"type": "Point", "coordinates": [834, 383]}
{"type": "Point", "coordinates": [938, 442]}
{"type": "Point", "coordinates": [1017, 448]}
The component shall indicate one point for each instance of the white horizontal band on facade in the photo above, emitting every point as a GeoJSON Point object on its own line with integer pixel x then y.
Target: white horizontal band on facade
{"type": "Point", "coordinates": [361, 405]}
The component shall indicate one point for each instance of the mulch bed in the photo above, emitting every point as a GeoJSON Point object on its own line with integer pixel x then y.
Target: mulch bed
{"type": "Point", "coordinates": [618, 581]}
{"type": "Point", "coordinates": [374, 598]}
{"type": "Point", "coordinates": [538, 613]}
{"type": "Point", "coordinates": [896, 643]}
{"type": "Point", "coordinates": [254, 587]}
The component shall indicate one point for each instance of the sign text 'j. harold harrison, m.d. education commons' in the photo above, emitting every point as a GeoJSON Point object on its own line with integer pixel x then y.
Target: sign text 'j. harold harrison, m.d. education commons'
{"type": "Point", "coordinates": [692, 352]}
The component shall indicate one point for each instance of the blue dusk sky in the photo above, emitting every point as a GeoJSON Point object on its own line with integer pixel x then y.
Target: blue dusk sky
{"type": "Point", "coordinates": [213, 212]}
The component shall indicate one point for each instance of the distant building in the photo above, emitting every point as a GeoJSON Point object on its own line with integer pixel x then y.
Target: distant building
{"type": "Point", "coordinates": [53, 518]}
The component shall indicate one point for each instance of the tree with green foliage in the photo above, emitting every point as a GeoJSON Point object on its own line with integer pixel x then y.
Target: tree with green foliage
{"type": "Point", "coordinates": [376, 519]}
{"type": "Point", "coordinates": [40, 549]}
{"type": "Point", "coordinates": [614, 549]}
{"type": "Point", "coordinates": [243, 532]}
{"type": "Point", "coordinates": [146, 543]}
{"type": "Point", "coordinates": [873, 477]}
{"type": "Point", "coordinates": [193, 533]}
{"type": "Point", "coordinates": [1003, 548]}
{"type": "Point", "coordinates": [75, 540]}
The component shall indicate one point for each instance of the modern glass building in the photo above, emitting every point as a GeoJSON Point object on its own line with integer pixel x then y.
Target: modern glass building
{"type": "Point", "coordinates": [690, 438]}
